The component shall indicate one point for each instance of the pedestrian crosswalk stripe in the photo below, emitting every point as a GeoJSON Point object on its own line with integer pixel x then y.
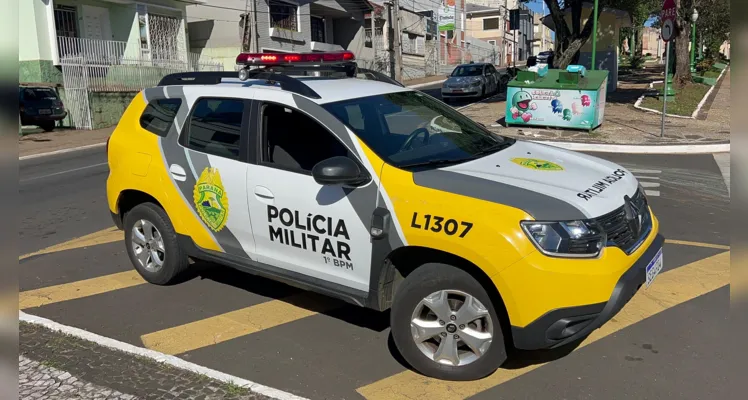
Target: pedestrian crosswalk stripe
{"type": "Point", "coordinates": [645, 171]}
{"type": "Point", "coordinates": [649, 184]}
{"type": "Point", "coordinates": [108, 235]}
{"type": "Point", "coordinates": [78, 289]}
{"type": "Point", "coordinates": [668, 290]}
{"type": "Point", "coordinates": [234, 324]}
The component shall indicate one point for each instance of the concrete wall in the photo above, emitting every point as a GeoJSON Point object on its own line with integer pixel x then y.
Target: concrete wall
{"type": "Point", "coordinates": [475, 28]}
{"type": "Point", "coordinates": [608, 29]}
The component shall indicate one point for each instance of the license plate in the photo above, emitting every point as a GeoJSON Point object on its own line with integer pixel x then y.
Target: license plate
{"type": "Point", "coordinates": [457, 90]}
{"type": "Point", "coordinates": [45, 111]}
{"type": "Point", "coordinates": [654, 267]}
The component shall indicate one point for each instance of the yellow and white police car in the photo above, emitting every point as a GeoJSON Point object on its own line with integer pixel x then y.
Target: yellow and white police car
{"type": "Point", "coordinates": [297, 169]}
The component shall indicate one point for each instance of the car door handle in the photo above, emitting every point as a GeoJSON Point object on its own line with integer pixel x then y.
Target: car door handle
{"type": "Point", "coordinates": [263, 192]}
{"type": "Point", "coordinates": [177, 172]}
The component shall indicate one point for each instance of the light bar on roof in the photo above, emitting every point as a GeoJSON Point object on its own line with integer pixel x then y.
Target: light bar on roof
{"type": "Point", "coordinates": [293, 58]}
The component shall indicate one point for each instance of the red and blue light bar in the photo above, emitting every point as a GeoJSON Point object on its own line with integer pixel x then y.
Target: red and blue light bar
{"type": "Point", "coordinates": [291, 58]}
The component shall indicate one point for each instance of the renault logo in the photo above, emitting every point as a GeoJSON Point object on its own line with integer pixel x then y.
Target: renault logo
{"type": "Point", "coordinates": [633, 216]}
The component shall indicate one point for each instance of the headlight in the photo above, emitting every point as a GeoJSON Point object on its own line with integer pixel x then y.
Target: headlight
{"type": "Point", "coordinates": [475, 83]}
{"type": "Point", "coordinates": [565, 239]}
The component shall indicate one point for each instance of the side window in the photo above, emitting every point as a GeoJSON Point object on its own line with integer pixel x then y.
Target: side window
{"type": "Point", "coordinates": [294, 141]}
{"type": "Point", "coordinates": [158, 116]}
{"type": "Point", "coordinates": [215, 127]}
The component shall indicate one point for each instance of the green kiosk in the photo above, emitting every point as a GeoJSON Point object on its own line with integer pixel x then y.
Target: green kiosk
{"type": "Point", "coordinates": [571, 98]}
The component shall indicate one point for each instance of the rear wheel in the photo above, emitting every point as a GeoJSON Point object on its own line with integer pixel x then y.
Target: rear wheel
{"type": "Point", "coordinates": [48, 126]}
{"type": "Point", "coordinates": [152, 244]}
{"type": "Point", "coordinates": [445, 325]}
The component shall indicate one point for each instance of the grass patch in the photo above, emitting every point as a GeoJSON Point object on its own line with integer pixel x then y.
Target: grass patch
{"type": "Point", "coordinates": [686, 99]}
{"type": "Point", "coordinates": [233, 389]}
{"type": "Point", "coordinates": [711, 74]}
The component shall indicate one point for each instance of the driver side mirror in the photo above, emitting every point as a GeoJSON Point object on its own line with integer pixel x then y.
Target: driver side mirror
{"type": "Point", "coordinates": [339, 171]}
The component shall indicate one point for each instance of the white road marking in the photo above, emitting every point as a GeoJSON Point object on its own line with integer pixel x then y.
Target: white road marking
{"type": "Point", "coordinates": [655, 193]}
{"type": "Point", "coordinates": [654, 178]}
{"type": "Point", "coordinates": [645, 171]}
{"type": "Point", "coordinates": [63, 172]}
{"type": "Point", "coordinates": [650, 184]}
{"type": "Point", "coordinates": [62, 151]}
{"type": "Point", "coordinates": [159, 357]}
{"type": "Point", "coordinates": [646, 180]}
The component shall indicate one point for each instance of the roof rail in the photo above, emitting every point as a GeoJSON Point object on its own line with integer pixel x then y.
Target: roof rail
{"type": "Point", "coordinates": [196, 78]}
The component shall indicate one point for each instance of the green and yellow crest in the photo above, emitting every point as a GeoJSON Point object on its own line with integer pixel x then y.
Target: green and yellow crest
{"type": "Point", "coordinates": [536, 164]}
{"type": "Point", "coordinates": [210, 199]}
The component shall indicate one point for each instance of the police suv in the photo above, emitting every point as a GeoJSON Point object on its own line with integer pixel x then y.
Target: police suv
{"type": "Point", "coordinates": [305, 169]}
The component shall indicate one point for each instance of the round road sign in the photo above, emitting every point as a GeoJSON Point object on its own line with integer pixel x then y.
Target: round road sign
{"type": "Point", "coordinates": [667, 30]}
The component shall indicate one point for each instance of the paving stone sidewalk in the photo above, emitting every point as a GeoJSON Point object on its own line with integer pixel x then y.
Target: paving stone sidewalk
{"type": "Point", "coordinates": [53, 365]}
{"type": "Point", "coordinates": [623, 124]}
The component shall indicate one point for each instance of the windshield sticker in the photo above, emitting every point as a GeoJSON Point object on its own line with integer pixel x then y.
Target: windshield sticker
{"type": "Point", "coordinates": [307, 233]}
{"type": "Point", "coordinates": [601, 185]}
{"type": "Point", "coordinates": [210, 198]}
{"type": "Point", "coordinates": [540, 165]}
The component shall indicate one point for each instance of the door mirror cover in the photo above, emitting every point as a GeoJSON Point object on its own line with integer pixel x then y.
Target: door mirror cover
{"type": "Point", "coordinates": [339, 171]}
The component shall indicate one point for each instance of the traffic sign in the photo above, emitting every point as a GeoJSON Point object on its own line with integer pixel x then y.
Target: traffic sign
{"type": "Point", "coordinates": [667, 19]}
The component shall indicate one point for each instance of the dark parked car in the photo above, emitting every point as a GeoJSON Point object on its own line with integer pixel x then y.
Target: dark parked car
{"type": "Point", "coordinates": [41, 106]}
{"type": "Point", "coordinates": [545, 57]}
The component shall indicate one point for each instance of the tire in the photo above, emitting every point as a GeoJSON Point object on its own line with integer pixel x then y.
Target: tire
{"type": "Point", "coordinates": [174, 260]}
{"type": "Point", "coordinates": [47, 126]}
{"type": "Point", "coordinates": [421, 283]}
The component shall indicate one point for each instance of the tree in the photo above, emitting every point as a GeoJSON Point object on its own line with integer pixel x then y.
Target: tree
{"type": "Point", "coordinates": [570, 39]}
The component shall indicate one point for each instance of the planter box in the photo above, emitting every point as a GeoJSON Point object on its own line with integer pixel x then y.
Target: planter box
{"type": "Point", "coordinates": [704, 80]}
{"type": "Point", "coordinates": [720, 66]}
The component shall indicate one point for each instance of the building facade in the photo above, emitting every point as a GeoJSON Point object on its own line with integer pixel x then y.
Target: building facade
{"type": "Point", "coordinates": [543, 37]}
{"type": "Point", "coordinates": [223, 28]}
{"type": "Point", "coordinates": [99, 53]}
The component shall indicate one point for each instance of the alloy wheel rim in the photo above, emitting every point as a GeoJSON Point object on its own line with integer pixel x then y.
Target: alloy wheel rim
{"type": "Point", "coordinates": [148, 245]}
{"type": "Point", "coordinates": [452, 327]}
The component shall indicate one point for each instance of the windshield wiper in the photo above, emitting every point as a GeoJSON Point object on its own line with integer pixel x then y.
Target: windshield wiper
{"type": "Point", "coordinates": [491, 149]}
{"type": "Point", "coordinates": [433, 163]}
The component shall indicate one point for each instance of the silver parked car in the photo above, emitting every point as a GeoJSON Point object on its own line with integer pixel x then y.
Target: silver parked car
{"type": "Point", "coordinates": [472, 81]}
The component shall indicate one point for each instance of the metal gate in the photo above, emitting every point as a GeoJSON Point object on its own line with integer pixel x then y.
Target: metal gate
{"type": "Point", "coordinates": [75, 82]}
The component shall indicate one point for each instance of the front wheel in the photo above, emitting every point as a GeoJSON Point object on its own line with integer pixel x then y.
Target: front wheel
{"type": "Point", "coordinates": [445, 325]}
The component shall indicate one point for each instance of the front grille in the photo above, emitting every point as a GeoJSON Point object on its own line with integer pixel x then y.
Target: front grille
{"type": "Point", "coordinates": [616, 227]}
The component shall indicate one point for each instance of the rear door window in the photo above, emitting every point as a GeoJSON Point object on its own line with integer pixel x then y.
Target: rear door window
{"type": "Point", "coordinates": [215, 127]}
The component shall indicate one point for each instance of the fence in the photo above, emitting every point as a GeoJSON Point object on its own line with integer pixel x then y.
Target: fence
{"type": "Point", "coordinates": [96, 66]}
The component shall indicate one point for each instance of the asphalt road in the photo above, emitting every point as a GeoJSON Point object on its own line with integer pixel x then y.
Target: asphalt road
{"type": "Point", "coordinates": [667, 344]}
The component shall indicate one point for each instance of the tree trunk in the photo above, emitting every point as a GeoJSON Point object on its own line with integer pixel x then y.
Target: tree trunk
{"type": "Point", "coordinates": [682, 54]}
{"type": "Point", "coordinates": [568, 56]}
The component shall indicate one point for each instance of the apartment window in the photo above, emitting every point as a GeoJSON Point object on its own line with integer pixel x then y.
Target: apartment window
{"type": "Point", "coordinates": [66, 21]}
{"type": "Point", "coordinates": [283, 15]}
{"type": "Point", "coordinates": [318, 29]}
{"type": "Point", "coordinates": [536, 28]}
{"type": "Point", "coordinates": [490, 24]}
{"type": "Point", "coordinates": [493, 42]}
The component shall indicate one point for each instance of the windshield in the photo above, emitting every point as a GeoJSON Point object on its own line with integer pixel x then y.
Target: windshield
{"type": "Point", "coordinates": [39, 94]}
{"type": "Point", "coordinates": [468, 70]}
{"type": "Point", "coordinates": [409, 128]}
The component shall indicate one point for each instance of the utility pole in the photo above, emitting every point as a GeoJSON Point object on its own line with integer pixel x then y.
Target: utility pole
{"type": "Point", "coordinates": [390, 45]}
{"type": "Point", "coordinates": [398, 36]}
{"type": "Point", "coordinates": [459, 9]}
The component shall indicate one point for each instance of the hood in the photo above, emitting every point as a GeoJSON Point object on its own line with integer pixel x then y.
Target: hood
{"type": "Point", "coordinates": [463, 80]}
{"type": "Point", "coordinates": [547, 182]}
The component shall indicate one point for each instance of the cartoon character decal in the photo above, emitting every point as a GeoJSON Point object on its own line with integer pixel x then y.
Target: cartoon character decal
{"type": "Point", "coordinates": [522, 100]}
{"type": "Point", "coordinates": [557, 106]}
{"type": "Point", "coordinates": [586, 100]}
{"type": "Point", "coordinates": [533, 106]}
{"type": "Point", "coordinates": [515, 112]}
{"type": "Point", "coordinates": [575, 109]}
{"type": "Point", "coordinates": [567, 114]}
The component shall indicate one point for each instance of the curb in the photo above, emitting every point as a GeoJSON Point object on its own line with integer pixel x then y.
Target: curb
{"type": "Point", "coordinates": [420, 85]}
{"type": "Point", "coordinates": [641, 148]}
{"type": "Point", "coordinates": [158, 357]}
{"type": "Point", "coordinates": [62, 151]}
{"type": "Point", "coordinates": [695, 112]}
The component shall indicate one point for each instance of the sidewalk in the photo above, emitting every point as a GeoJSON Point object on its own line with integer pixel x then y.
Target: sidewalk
{"type": "Point", "coordinates": [623, 124]}
{"type": "Point", "coordinates": [53, 365]}
{"type": "Point", "coordinates": [37, 143]}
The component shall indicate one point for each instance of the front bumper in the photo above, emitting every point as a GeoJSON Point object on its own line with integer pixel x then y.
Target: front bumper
{"type": "Point", "coordinates": [565, 325]}
{"type": "Point", "coordinates": [467, 92]}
